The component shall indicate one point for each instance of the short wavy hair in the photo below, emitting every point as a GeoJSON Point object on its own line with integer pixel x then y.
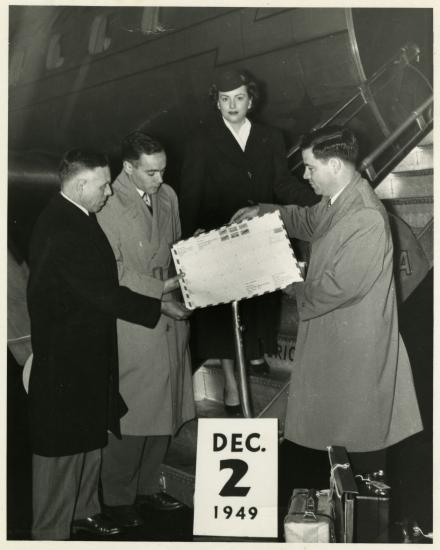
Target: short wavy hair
{"type": "Point", "coordinates": [332, 141]}
{"type": "Point", "coordinates": [76, 160]}
{"type": "Point", "coordinates": [138, 143]}
{"type": "Point", "coordinates": [251, 87]}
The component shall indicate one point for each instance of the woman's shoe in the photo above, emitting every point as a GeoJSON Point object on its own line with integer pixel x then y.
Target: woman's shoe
{"type": "Point", "coordinates": [234, 410]}
{"type": "Point", "coordinates": [259, 369]}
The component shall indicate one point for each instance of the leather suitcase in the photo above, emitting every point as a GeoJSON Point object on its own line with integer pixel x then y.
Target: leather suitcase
{"type": "Point", "coordinates": [310, 517]}
{"type": "Point", "coordinates": [361, 503]}
{"type": "Point", "coordinates": [344, 491]}
{"type": "Point", "coordinates": [372, 508]}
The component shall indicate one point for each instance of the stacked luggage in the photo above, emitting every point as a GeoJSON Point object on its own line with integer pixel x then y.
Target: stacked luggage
{"type": "Point", "coordinates": [353, 509]}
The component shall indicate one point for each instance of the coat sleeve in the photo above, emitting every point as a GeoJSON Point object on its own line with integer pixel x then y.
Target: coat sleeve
{"type": "Point", "coordinates": [191, 188]}
{"type": "Point", "coordinates": [351, 273]}
{"type": "Point", "coordinates": [177, 228]}
{"type": "Point", "coordinates": [131, 278]}
{"type": "Point", "coordinates": [300, 222]}
{"type": "Point", "coordinates": [177, 235]}
{"type": "Point", "coordinates": [79, 266]}
{"type": "Point", "coordinates": [287, 188]}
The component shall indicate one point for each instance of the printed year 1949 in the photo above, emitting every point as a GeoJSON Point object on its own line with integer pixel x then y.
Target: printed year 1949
{"type": "Point", "coordinates": [228, 512]}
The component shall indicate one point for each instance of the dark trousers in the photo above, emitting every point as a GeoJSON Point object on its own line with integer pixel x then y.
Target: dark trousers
{"type": "Point", "coordinates": [131, 466]}
{"type": "Point", "coordinates": [64, 488]}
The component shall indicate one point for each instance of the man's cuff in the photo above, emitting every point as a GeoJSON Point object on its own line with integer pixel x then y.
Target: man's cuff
{"type": "Point", "coordinates": [265, 208]}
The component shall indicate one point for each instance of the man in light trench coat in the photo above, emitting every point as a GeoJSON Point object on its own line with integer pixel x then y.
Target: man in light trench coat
{"type": "Point", "coordinates": [141, 221]}
{"type": "Point", "coordinates": [351, 382]}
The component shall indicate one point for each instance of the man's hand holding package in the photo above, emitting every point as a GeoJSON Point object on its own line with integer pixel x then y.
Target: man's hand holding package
{"type": "Point", "coordinates": [175, 310]}
{"type": "Point", "coordinates": [245, 213]}
{"type": "Point", "coordinates": [172, 283]}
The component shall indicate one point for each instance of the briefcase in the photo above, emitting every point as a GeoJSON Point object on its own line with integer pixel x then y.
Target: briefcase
{"type": "Point", "coordinates": [343, 491]}
{"type": "Point", "coordinates": [310, 517]}
{"type": "Point", "coordinates": [372, 508]}
{"type": "Point", "coordinates": [361, 502]}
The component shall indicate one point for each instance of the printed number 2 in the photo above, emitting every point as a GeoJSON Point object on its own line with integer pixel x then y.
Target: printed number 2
{"type": "Point", "coordinates": [239, 469]}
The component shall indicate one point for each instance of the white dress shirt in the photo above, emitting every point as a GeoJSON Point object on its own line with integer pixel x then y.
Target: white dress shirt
{"type": "Point", "coordinates": [332, 199]}
{"type": "Point", "coordinates": [144, 196]}
{"type": "Point", "coordinates": [75, 203]}
{"type": "Point", "coordinates": [243, 133]}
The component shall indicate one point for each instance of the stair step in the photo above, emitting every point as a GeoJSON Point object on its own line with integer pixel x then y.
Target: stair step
{"type": "Point", "coordinates": [428, 140]}
{"type": "Point", "coordinates": [268, 398]}
{"type": "Point", "coordinates": [419, 158]}
{"type": "Point", "coordinates": [402, 185]}
{"type": "Point", "coordinates": [208, 382]}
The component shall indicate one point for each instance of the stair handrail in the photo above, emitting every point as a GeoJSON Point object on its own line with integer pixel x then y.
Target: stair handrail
{"type": "Point", "coordinates": [243, 385]}
{"type": "Point", "coordinates": [407, 54]}
{"type": "Point", "coordinates": [415, 116]}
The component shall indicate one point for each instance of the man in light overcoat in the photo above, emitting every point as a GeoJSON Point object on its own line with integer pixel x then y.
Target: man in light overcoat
{"type": "Point", "coordinates": [141, 221]}
{"type": "Point", "coordinates": [351, 383]}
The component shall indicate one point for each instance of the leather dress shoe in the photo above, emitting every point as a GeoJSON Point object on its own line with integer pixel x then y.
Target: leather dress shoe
{"type": "Point", "coordinates": [159, 501]}
{"type": "Point", "coordinates": [99, 524]}
{"type": "Point", "coordinates": [408, 532]}
{"type": "Point", "coordinates": [124, 515]}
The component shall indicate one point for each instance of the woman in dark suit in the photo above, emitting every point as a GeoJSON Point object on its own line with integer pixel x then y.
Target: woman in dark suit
{"type": "Point", "coordinates": [230, 164]}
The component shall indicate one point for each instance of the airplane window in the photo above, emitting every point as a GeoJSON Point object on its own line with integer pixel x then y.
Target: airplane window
{"type": "Point", "coordinates": [54, 58]}
{"type": "Point", "coordinates": [99, 41]}
{"type": "Point", "coordinates": [16, 67]}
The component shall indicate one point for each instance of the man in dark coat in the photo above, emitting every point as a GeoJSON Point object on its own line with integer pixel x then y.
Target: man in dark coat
{"type": "Point", "coordinates": [74, 299]}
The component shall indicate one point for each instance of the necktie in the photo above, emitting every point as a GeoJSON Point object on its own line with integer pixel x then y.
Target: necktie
{"type": "Point", "coordinates": [147, 200]}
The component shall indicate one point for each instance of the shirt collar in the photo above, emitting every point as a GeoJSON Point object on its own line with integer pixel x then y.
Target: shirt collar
{"type": "Point", "coordinates": [75, 203]}
{"type": "Point", "coordinates": [243, 133]}
{"type": "Point", "coordinates": [336, 195]}
{"type": "Point", "coordinates": [144, 195]}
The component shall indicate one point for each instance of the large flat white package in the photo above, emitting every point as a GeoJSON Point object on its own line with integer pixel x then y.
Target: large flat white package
{"type": "Point", "coordinates": [236, 261]}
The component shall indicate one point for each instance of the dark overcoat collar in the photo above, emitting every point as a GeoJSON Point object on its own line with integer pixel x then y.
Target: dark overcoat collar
{"type": "Point", "coordinates": [87, 225]}
{"type": "Point", "coordinates": [222, 138]}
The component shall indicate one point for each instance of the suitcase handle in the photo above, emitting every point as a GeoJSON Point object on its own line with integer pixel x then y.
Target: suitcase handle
{"type": "Point", "coordinates": [311, 504]}
{"type": "Point", "coordinates": [341, 479]}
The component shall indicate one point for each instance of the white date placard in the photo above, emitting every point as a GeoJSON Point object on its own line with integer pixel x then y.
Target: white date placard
{"type": "Point", "coordinates": [236, 487]}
